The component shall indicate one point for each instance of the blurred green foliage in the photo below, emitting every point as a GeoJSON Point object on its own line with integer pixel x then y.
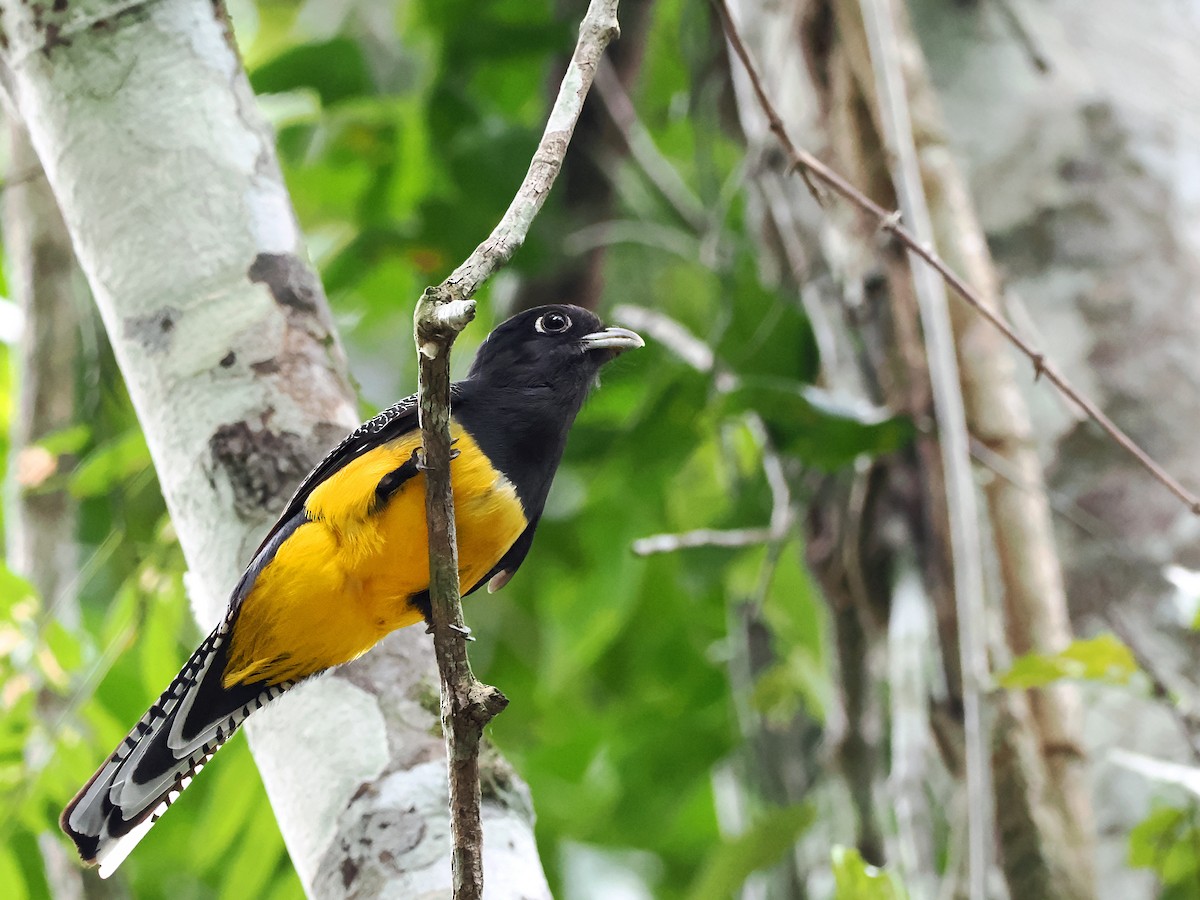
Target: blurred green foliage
{"type": "Point", "coordinates": [1167, 842]}
{"type": "Point", "coordinates": [856, 880]}
{"type": "Point", "coordinates": [403, 130]}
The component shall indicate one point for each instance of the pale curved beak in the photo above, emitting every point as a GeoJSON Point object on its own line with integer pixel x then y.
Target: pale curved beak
{"type": "Point", "coordinates": [618, 340]}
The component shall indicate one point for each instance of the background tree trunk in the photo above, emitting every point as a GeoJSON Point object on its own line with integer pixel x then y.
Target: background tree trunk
{"type": "Point", "coordinates": [1085, 178]}
{"type": "Point", "coordinates": [167, 179]}
{"type": "Point", "coordinates": [43, 518]}
{"type": "Point", "coordinates": [48, 286]}
{"type": "Point", "coordinates": [1041, 800]}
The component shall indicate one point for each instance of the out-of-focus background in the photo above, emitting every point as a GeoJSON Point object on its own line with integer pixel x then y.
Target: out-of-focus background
{"type": "Point", "coordinates": [733, 656]}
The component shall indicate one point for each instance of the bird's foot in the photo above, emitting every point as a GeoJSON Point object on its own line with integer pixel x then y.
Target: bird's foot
{"type": "Point", "coordinates": [461, 629]}
{"type": "Point", "coordinates": [418, 456]}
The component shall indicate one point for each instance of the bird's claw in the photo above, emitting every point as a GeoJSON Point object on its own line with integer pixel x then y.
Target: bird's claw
{"type": "Point", "coordinates": [461, 629]}
{"type": "Point", "coordinates": [418, 456]}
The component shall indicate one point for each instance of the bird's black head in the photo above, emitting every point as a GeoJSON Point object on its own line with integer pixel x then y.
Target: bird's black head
{"type": "Point", "coordinates": [528, 381]}
{"type": "Point", "coordinates": [560, 348]}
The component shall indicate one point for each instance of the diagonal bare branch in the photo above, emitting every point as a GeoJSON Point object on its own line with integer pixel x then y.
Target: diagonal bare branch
{"type": "Point", "coordinates": [813, 169]}
{"type": "Point", "coordinates": [441, 315]}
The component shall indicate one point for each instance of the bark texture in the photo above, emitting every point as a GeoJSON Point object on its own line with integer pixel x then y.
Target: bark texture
{"type": "Point", "coordinates": [168, 182]}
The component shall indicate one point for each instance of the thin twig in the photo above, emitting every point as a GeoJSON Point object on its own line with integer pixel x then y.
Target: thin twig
{"type": "Point", "coordinates": [702, 537]}
{"type": "Point", "coordinates": [598, 29]}
{"type": "Point", "coordinates": [670, 333]}
{"type": "Point", "coordinates": [998, 466]}
{"type": "Point", "coordinates": [889, 221]}
{"type": "Point", "coordinates": [623, 231]}
{"type": "Point", "coordinates": [697, 354]}
{"type": "Point", "coordinates": [645, 152]}
{"type": "Point", "coordinates": [441, 314]}
{"type": "Point", "coordinates": [965, 544]}
{"type": "Point", "coordinates": [1023, 36]}
{"type": "Point", "coordinates": [1162, 692]}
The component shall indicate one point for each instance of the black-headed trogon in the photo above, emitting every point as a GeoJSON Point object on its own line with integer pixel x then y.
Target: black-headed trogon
{"type": "Point", "coordinates": [347, 561]}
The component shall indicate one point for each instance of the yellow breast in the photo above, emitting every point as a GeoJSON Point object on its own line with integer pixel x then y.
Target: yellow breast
{"type": "Point", "coordinates": [343, 580]}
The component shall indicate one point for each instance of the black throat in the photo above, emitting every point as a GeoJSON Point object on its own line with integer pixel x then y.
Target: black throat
{"type": "Point", "coordinates": [522, 430]}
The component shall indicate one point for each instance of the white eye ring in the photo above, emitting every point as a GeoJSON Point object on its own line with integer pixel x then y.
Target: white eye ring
{"type": "Point", "coordinates": [557, 324]}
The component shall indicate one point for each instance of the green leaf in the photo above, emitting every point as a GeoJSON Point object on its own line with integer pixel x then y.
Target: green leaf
{"type": "Point", "coordinates": [12, 876]}
{"type": "Point", "coordinates": [856, 880]}
{"type": "Point", "coordinates": [1167, 842]}
{"type": "Point", "coordinates": [164, 620]}
{"type": "Point", "coordinates": [110, 464]}
{"type": "Point", "coordinates": [63, 644]}
{"type": "Point", "coordinates": [784, 689]}
{"type": "Point", "coordinates": [1149, 839]}
{"type": "Point", "coordinates": [66, 440]}
{"type": "Point", "coordinates": [335, 69]}
{"type": "Point", "coordinates": [1102, 658]}
{"type": "Point", "coordinates": [735, 860]}
{"type": "Point", "coordinates": [821, 428]}
{"type": "Point", "coordinates": [1182, 859]}
{"type": "Point", "coordinates": [16, 593]}
{"type": "Point", "coordinates": [248, 869]}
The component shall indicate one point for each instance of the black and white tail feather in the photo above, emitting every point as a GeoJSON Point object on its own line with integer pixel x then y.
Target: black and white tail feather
{"type": "Point", "coordinates": [161, 755]}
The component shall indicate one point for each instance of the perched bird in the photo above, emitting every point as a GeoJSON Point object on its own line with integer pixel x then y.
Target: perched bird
{"type": "Point", "coordinates": [347, 561]}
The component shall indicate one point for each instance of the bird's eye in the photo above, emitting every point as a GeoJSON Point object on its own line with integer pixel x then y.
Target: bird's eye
{"type": "Point", "coordinates": [552, 323]}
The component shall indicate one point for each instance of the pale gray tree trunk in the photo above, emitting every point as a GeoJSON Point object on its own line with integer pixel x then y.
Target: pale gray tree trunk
{"type": "Point", "coordinates": [48, 286]}
{"type": "Point", "coordinates": [40, 532]}
{"type": "Point", "coordinates": [167, 178]}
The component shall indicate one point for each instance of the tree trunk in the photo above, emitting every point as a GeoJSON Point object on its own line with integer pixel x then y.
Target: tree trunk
{"type": "Point", "coordinates": [41, 529]}
{"type": "Point", "coordinates": [46, 282]}
{"type": "Point", "coordinates": [168, 182]}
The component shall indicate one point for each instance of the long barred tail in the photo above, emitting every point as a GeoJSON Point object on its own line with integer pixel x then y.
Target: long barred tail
{"type": "Point", "coordinates": [161, 755]}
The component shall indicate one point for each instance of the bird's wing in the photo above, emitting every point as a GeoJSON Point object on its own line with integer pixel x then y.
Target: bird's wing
{"type": "Point", "coordinates": [396, 420]}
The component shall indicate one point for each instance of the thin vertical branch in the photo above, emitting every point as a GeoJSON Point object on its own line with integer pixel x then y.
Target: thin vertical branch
{"type": "Point", "coordinates": [645, 152]}
{"type": "Point", "coordinates": [965, 540]}
{"type": "Point", "coordinates": [442, 313]}
{"type": "Point", "coordinates": [909, 642]}
{"type": "Point", "coordinates": [1034, 598]}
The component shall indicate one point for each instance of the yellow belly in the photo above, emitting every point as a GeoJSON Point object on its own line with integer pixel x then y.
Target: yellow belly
{"type": "Point", "coordinates": [342, 581]}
